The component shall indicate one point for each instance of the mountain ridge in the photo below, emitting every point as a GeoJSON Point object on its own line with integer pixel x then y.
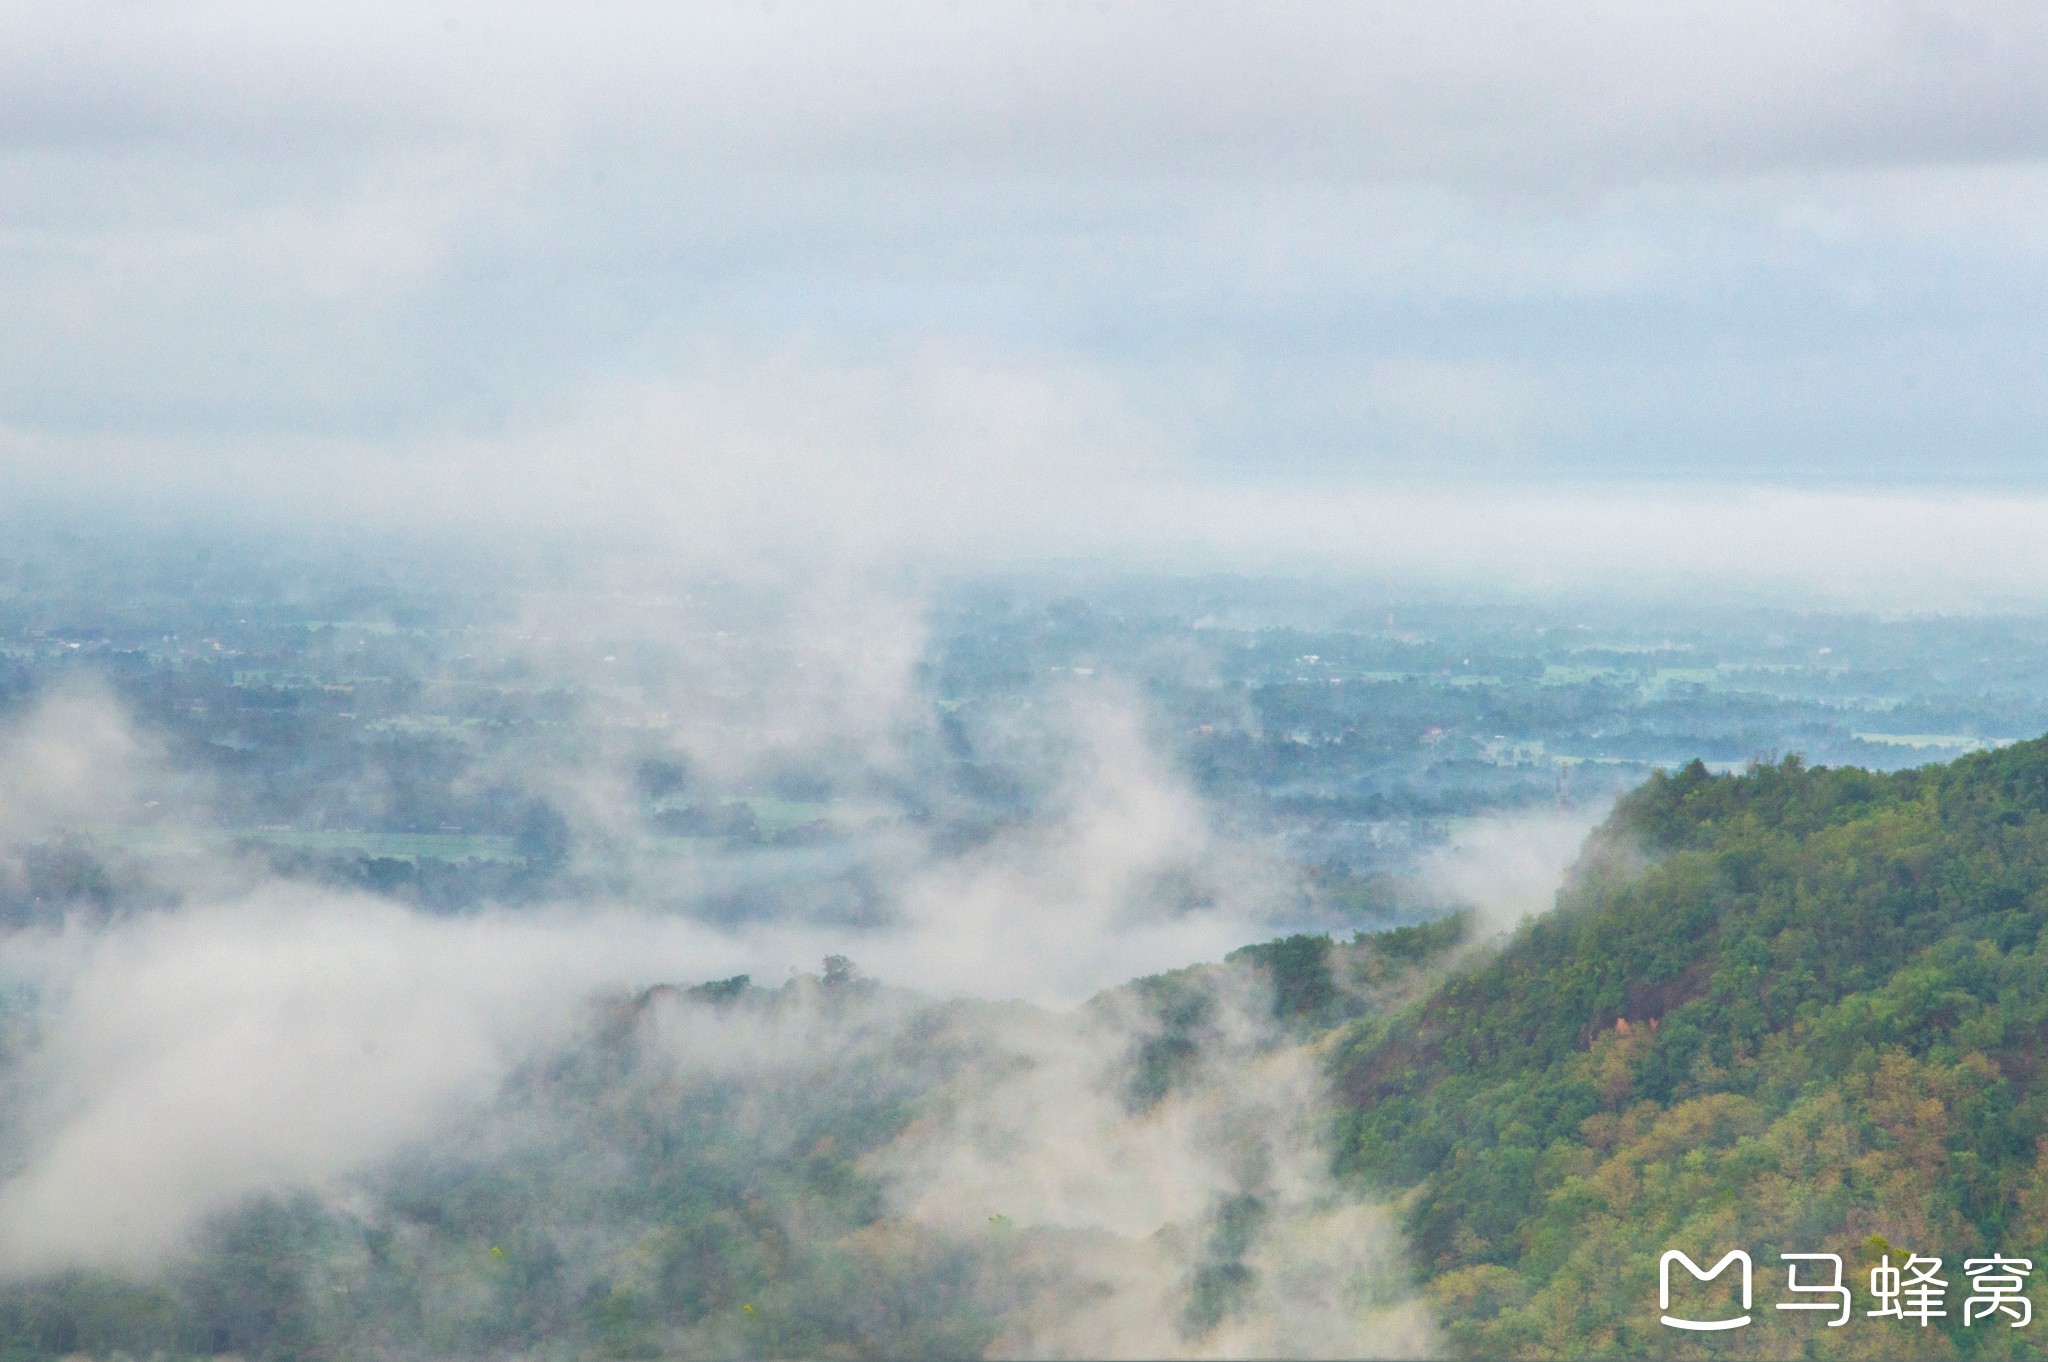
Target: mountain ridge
{"type": "Point", "coordinates": [1792, 1010]}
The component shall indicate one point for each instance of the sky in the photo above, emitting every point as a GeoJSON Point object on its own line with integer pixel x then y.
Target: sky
{"type": "Point", "coordinates": [1017, 274]}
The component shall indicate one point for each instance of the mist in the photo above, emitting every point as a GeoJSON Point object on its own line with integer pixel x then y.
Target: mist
{"type": "Point", "coordinates": [1508, 868]}
{"type": "Point", "coordinates": [787, 680]}
{"type": "Point", "coordinates": [241, 1037]}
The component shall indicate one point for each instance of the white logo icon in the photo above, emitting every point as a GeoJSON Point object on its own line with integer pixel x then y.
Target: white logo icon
{"type": "Point", "coordinates": [1664, 1288]}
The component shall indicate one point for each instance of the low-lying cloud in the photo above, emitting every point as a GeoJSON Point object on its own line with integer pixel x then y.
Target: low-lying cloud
{"type": "Point", "coordinates": [239, 1036]}
{"type": "Point", "coordinates": [257, 1034]}
{"type": "Point", "coordinates": [1508, 867]}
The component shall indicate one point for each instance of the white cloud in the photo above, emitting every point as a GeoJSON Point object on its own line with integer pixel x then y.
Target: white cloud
{"type": "Point", "coordinates": [260, 1036]}
{"type": "Point", "coordinates": [1509, 867]}
{"type": "Point", "coordinates": [1455, 408]}
{"type": "Point", "coordinates": [1458, 87]}
{"type": "Point", "coordinates": [944, 267]}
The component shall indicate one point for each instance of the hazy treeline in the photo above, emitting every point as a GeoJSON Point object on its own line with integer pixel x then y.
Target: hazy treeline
{"type": "Point", "coordinates": [830, 1168]}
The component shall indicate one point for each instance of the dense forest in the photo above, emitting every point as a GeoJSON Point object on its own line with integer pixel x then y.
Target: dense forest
{"type": "Point", "coordinates": [827, 1168]}
{"type": "Point", "coordinates": [1793, 1010]}
{"type": "Point", "coordinates": [1797, 1010]}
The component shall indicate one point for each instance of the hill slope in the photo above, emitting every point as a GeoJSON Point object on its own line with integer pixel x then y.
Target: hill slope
{"type": "Point", "coordinates": [1798, 1010]}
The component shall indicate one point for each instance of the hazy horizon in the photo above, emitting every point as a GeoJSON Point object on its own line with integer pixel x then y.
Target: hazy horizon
{"type": "Point", "coordinates": [1442, 289]}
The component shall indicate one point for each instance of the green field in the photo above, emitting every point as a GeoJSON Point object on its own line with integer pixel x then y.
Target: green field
{"type": "Point", "coordinates": [447, 846]}
{"type": "Point", "coordinates": [1955, 741]}
{"type": "Point", "coordinates": [775, 815]}
{"type": "Point", "coordinates": [1554, 675]}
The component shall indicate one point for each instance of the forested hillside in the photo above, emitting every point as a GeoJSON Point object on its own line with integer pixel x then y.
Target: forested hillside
{"type": "Point", "coordinates": [1791, 1011]}
{"type": "Point", "coordinates": [832, 1168]}
{"type": "Point", "coordinates": [1797, 1010]}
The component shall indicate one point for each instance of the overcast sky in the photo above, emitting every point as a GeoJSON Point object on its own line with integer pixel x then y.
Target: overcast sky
{"type": "Point", "coordinates": [535, 258]}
